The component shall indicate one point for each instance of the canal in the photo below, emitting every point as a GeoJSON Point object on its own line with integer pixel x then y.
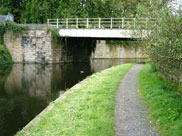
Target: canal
{"type": "Point", "coordinates": [27, 89]}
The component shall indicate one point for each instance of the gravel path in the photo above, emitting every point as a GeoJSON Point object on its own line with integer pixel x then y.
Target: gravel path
{"type": "Point", "coordinates": [130, 114]}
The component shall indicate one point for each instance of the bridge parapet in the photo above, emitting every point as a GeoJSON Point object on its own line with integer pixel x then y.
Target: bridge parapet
{"type": "Point", "coordinates": [101, 23]}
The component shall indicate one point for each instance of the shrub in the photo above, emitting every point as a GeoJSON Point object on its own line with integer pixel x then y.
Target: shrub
{"type": "Point", "coordinates": [164, 44]}
{"type": "Point", "coordinates": [1, 48]}
{"type": "Point", "coordinates": [5, 57]}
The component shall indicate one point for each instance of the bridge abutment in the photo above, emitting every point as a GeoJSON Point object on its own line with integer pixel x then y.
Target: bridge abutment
{"type": "Point", "coordinates": [33, 46]}
{"type": "Point", "coordinates": [106, 50]}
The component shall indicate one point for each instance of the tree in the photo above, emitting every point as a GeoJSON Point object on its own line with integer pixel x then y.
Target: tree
{"type": "Point", "coordinates": [164, 43]}
{"type": "Point", "coordinates": [36, 11]}
{"type": "Point", "coordinates": [13, 6]}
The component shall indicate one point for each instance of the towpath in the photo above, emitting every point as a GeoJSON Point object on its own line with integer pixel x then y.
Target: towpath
{"type": "Point", "coordinates": [130, 114]}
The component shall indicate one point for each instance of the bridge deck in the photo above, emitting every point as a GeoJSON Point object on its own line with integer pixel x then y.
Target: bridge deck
{"type": "Point", "coordinates": [98, 33]}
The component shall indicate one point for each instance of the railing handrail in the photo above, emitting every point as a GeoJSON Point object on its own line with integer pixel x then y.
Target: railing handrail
{"type": "Point", "coordinates": [120, 23]}
{"type": "Point", "coordinates": [101, 18]}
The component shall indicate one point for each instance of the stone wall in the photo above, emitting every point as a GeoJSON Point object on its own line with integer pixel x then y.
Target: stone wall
{"type": "Point", "coordinates": [33, 46]}
{"type": "Point", "coordinates": [117, 51]}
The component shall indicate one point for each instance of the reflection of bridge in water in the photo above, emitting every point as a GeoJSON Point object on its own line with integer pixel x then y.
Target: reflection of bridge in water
{"type": "Point", "coordinates": [102, 27]}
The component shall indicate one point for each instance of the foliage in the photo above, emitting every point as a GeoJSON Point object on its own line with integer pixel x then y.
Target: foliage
{"type": "Point", "coordinates": [164, 103]}
{"type": "Point", "coordinates": [150, 9]}
{"type": "Point", "coordinates": [123, 43]}
{"type": "Point", "coordinates": [54, 34]}
{"type": "Point", "coordinates": [12, 27]}
{"type": "Point", "coordinates": [2, 31]}
{"type": "Point", "coordinates": [86, 109]}
{"type": "Point", "coordinates": [4, 10]}
{"type": "Point", "coordinates": [2, 48]}
{"type": "Point", "coordinates": [12, 6]}
{"type": "Point", "coordinates": [37, 11]}
{"type": "Point", "coordinates": [164, 44]}
{"type": "Point", "coordinates": [15, 28]}
{"type": "Point", "coordinates": [5, 69]}
{"type": "Point", "coordinates": [5, 57]}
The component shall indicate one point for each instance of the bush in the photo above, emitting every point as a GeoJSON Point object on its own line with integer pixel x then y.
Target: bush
{"type": "Point", "coordinates": [1, 48]}
{"type": "Point", "coordinates": [10, 26]}
{"type": "Point", "coordinates": [4, 10]}
{"type": "Point", "coordinates": [164, 44]}
{"type": "Point", "coordinates": [5, 57]}
{"type": "Point", "coordinates": [54, 34]}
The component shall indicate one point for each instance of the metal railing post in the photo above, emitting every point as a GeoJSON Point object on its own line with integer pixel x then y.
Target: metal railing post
{"type": "Point", "coordinates": [122, 23]}
{"type": "Point", "coordinates": [57, 23]}
{"type": "Point", "coordinates": [77, 23]}
{"type": "Point", "coordinates": [111, 23]}
{"type": "Point", "coordinates": [134, 21]}
{"type": "Point", "coordinates": [146, 23]}
{"type": "Point", "coordinates": [87, 23]}
{"type": "Point", "coordinates": [47, 22]}
{"type": "Point", "coordinates": [99, 22]}
{"type": "Point", "coordinates": [66, 22]}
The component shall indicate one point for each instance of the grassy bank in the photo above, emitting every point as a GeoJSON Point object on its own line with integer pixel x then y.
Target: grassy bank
{"type": "Point", "coordinates": [165, 104]}
{"type": "Point", "coordinates": [85, 110]}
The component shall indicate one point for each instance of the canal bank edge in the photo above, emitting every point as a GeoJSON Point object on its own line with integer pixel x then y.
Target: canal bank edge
{"type": "Point", "coordinates": [114, 75]}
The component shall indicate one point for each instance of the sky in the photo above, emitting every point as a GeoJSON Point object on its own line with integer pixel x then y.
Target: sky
{"type": "Point", "coordinates": [176, 4]}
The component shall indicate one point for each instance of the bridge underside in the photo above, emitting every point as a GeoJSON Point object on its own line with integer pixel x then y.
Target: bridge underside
{"type": "Point", "coordinates": [100, 33]}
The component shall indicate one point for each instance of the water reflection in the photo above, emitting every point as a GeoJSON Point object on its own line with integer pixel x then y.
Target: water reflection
{"type": "Point", "coordinates": [25, 90]}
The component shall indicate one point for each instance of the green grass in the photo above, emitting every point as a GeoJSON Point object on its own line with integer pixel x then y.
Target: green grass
{"type": "Point", "coordinates": [165, 104]}
{"type": "Point", "coordinates": [85, 110]}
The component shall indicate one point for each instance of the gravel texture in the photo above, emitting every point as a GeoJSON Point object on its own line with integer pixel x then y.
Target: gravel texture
{"type": "Point", "coordinates": [130, 114]}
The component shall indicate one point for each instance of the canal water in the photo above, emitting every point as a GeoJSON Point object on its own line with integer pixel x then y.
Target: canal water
{"type": "Point", "coordinates": [27, 89]}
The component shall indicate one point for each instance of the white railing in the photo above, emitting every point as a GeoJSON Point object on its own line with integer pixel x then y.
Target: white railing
{"type": "Point", "coordinates": [101, 23]}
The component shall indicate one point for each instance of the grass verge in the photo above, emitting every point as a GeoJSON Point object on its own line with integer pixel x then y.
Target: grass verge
{"type": "Point", "coordinates": [87, 109]}
{"type": "Point", "coordinates": [165, 104]}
